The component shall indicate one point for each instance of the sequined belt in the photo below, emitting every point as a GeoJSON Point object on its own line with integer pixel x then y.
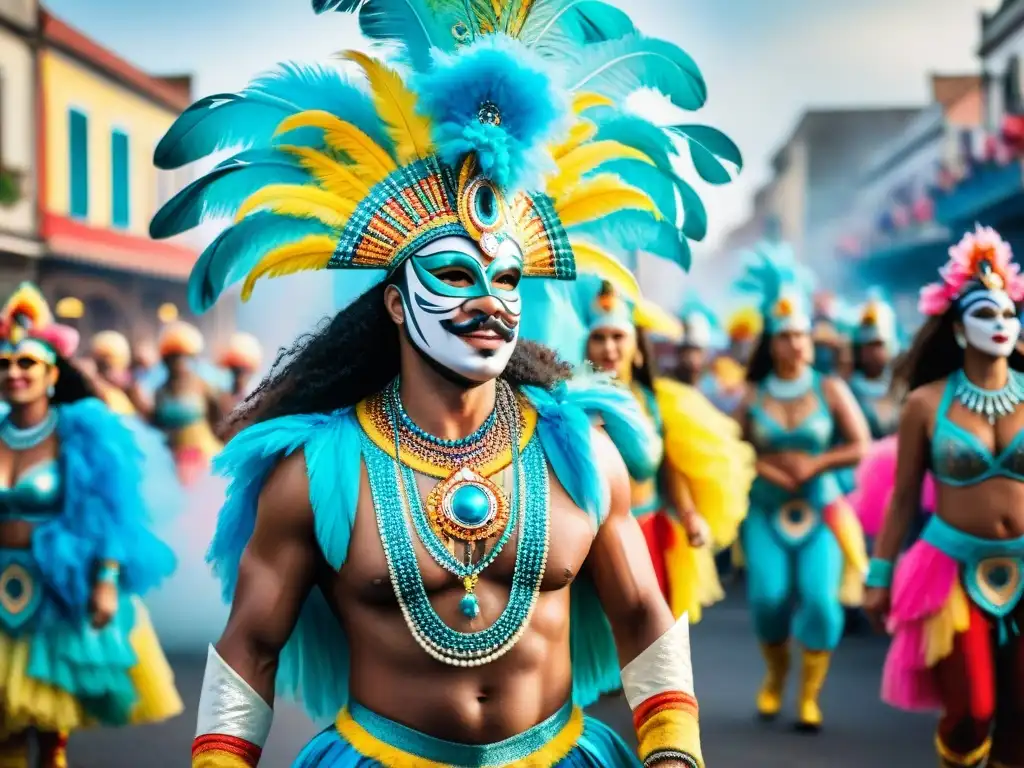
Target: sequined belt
{"type": "Point", "coordinates": [993, 569]}
{"type": "Point", "coordinates": [391, 743]}
{"type": "Point", "coordinates": [21, 589]}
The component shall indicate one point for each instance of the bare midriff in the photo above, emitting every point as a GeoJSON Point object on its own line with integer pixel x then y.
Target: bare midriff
{"type": "Point", "coordinates": [992, 509]}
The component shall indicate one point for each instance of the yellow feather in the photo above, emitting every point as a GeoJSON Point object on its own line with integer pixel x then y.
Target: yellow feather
{"type": "Point", "coordinates": [310, 253]}
{"type": "Point", "coordinates": [652, 318]}
{"type": "Point", "coordinates": [585, 101]}
{"type": "Point", "coordinates": [396, 106]}
{"type": "Point", "coordinates": [301, 201]}
{"type": "Point", "coordinates": [332, 175]}
{"type": "Point", "coordinates": [27, 300]}
{"type": "Point", "coordinates": [600, 196]}
{"type": "Point", "coordinates": [371, 162]}
{"type": "Point", "coordinates": [516, 28]}
{"type": "Point", "coordinates": [576, 164]}
{"type": "Point", "coordinates": [592, 260]}
{"type": "Point", "coordinates": [581, 132]}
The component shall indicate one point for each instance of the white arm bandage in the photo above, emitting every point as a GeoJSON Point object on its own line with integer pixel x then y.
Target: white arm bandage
{"type": "Point", "coordinates": [228, 706]}
{"type": "Point", "coordinates": [662, 668]}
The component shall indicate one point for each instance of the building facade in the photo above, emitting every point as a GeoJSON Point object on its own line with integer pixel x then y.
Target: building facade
{"type": "Point", "coordinates": [20, 246]}
{"type": "Point", "coordinates": [101, 119]}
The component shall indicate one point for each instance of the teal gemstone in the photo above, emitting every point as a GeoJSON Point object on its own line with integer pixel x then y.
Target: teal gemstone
{"type": "Point", "coordinates": [470, 607]}
{"type": "Point", "coordinates": [999, 576]}
{"type": "Point", "coordinates": [470, 505]}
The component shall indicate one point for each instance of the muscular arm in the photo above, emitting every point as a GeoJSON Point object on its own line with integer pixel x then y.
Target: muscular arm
{"type": "Point", "coordinates": [275, 575]}
{"type": "Point", "coordinates": [850, 424]}
{"type": "Point", "coordinates": [654, 650]}
{"type": "Point", "coordinates": [911, 465]}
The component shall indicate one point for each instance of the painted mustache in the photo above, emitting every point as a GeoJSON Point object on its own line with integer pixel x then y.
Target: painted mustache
{"type": "Point", "coordinates": [480, 323]}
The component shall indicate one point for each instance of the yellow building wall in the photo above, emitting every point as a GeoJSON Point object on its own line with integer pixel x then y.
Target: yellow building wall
{"type": "Point", "coordinates": [67, 85]}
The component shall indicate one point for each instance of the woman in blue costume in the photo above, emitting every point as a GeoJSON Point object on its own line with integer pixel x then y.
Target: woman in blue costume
{"type": "Point", "coordinates": [799, 533]}
{"type": "Point", "coordinates": [876, 344]}
{"type": "Point", "coordinates": [76, 646]}
{"type": "Point", "coordinates": [396, 449]}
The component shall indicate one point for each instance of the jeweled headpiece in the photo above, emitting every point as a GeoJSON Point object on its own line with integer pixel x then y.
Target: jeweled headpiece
{"type": "Point", "coordinates": [782, 286]}
{"type": "Point", "coordinates": [982, 260]}
{"type": "Point", "coordinates": [27, 326]}
{"type": "Point", "coordinates": [609, 309]}
{"type": "Point", "coordinates": [502, 126]}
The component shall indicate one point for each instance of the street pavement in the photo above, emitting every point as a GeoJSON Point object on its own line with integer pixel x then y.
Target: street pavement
{"type": "Point", "coordinates": [859, 730]}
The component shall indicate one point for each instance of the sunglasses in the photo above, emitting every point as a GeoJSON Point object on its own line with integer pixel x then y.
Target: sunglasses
{"type": "Point", "coordinates": [22, 362]}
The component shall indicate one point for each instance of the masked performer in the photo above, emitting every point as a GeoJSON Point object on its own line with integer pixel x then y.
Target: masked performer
{"type": "Point", "coordinates": [185, 406]}
{"type": "Point", "coordinates": [799, 530]}
{"type": "Point", "coordinates": [955, 609]}
{"type": "Point", "coordinates": [689, 490]}
{"type": "Point", "coordinates": [76, 646]}
{"type": "Point", "coordinates": [427, 488]}
{"type": "Point", "coordinates": [242, 357]}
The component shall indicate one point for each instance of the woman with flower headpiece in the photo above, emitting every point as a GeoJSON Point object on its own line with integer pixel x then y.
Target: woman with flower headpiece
{"type": "Point", "coordinates": [425, 536]}
{"type": "Point", "coordinates": [78, 485]}
{"type": "Point", "coordinates": [185, 406]}
{"type": "Point", "coordinates": [689, 489]}
{"type": "Point", "coordinates": [803, 548]}
{"type": "Point", "coordinates": [954, 603]}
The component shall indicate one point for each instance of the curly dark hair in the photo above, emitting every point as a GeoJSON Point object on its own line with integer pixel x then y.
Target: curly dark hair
{"type": "Point", "coordinates": [356, 354]}
{"type": "Point", "coordinates": [72, 385]}
{"type": "Point", "coordinates": [934, 355]}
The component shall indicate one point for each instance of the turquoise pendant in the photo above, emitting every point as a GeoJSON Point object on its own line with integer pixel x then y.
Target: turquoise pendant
{"type": "Point", "coordinates": [471, 505]}
{"type": "Point", "coordinates": [470, 606]}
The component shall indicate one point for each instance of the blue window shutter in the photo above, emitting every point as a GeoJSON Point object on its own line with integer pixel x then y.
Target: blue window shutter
{"type": "Point", "coordinates": [78, 138]}
{"type": "Point", "coordinates": [120, 213]}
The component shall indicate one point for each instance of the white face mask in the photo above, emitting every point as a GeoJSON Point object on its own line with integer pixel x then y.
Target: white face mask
{"type": "Point", "coordinates": [990, 323]}
{"type": "Point", "coordinates": [440, 315]}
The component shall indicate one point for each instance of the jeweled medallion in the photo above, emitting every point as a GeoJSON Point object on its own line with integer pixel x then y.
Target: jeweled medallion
{"type": "Point", "coordinates": [467, 507]}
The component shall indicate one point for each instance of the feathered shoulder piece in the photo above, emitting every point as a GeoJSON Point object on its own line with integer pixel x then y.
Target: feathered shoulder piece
{"type": "Point", "coordinates": [26, 317]}
{"type": "Point", "coordinates": [497, 122]}
{"type": "Point", "coordinates": [781, 285]}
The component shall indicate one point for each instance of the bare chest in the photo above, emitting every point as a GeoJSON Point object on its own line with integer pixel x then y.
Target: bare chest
{"type": "Point", "coordinates": [366, 576]}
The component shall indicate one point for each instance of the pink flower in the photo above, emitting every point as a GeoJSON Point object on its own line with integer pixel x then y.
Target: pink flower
{"type": "Point", "coordinates": [933, 299]}
{"type": "Point", "coordinates": [965, 259]}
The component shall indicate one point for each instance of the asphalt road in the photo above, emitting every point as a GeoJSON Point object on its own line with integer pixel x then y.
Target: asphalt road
{"type": "Point", "coordinates": [859, 729]}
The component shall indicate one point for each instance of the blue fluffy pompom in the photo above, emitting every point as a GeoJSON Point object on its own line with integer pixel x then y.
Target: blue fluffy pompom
{"type": "Point", "coordinates": [498, 100]}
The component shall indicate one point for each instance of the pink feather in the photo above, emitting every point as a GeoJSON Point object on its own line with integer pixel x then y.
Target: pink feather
{"type": "Point", "coordinates": [63, 338]}
{"type": "Point", "coordinates": [876, 480]}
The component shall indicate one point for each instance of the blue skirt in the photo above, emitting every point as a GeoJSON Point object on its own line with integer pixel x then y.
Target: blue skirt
{"type": "Point", "coordinates": [595, 745]}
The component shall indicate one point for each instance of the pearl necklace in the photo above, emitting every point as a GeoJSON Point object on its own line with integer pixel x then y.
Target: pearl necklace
{"type": "Point", "coordinates": [25, 438]}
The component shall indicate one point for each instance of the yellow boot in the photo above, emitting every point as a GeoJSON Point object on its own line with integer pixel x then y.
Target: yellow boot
{"type": "Point", "coordinates": [812, 677]}
{"type": "Point", "coordinates": [950, 759]}
{"type": "Point", "coordinates": [769, 698]}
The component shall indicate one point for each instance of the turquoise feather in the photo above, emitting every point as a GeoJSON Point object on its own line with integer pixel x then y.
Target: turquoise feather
{"type": "Point", "coordinates": [640, 175]}
{"type": "Point", "coordinates": [249, 118]}
{"type": "Point", "coordinates": [707, 145]}
{"type": "Point", "coordinates": [617, 68]}
{"type": "Point", "coordinates": [625, 232]}
{"type": "Point", "coordinates": [601, 21]}
{"type": "Point", "coordinates": [239, 248]}
{"type": "Point", "coordinates": [222, 191]}
{"type": "Point", "coordinates": [772, 271]}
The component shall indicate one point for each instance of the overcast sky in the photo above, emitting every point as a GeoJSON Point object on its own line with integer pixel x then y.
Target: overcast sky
{"type": "Point", "coordinates": [764, 60]}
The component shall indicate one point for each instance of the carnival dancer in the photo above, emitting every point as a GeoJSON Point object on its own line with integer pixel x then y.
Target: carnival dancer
{"type": "Point", "coordinates": [110, 370]}
{"type": "Point", "coordinates": [186, 406]}
{"type": "Point", "coordinates": [241, 358]}
{"type": "Point", "coordinates": [698, 331]}
{"type": "Point", "coordinates": [876, 344]}
{"type": "Point", "coordinates": [825, 332]}
{"type": "Point", "coordinates": [689, 490]}
{"type": "Point", "coordinates": [76, 646]}
{"type": "Point", "coordinates": [414, 419]}
{"type": "Point", "coordinates": [955, 607]}
{"type": "Point", "coordinates": [801, 542]}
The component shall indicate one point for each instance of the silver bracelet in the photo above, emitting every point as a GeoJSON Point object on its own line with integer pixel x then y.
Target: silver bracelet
{"type": "Point", "coordinates": [663, 755]}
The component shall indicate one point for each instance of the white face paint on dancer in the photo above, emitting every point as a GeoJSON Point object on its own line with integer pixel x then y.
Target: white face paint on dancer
{"type": "Point", "coordinates": [990, 320]}
{"type": "Point", "coordinates": [463, 308]}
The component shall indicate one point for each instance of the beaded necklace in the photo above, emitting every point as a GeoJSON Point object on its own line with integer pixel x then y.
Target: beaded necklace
{"type": "Point", "coordinates": [992, 404]}
{"type": "Point", "coordinates": [463, 506]}
{"type": "Point", "coordinates": [22, 439]}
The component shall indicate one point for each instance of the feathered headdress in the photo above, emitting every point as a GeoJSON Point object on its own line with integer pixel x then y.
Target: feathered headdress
{"type": "Point", "coordinates": [744, 325]}
{"type": "Point", "coordinates": [180, 338]}
{"type": "Point", "coordinates": [876, 321]}
{"type": "Point", "coordinates": [782, 286]}
{"type": "Point", "coordinates": [26, 319]}
{"type": "Point", "coordinates": [243, 351]}
{"type": "Point", "coordinates": [610, 309]}
{"type": "Point", "coordinates": [983, 259]}
{"type": "Point", "coordinates": [700, 323]}
{"type": "Point", "coordinates": [501, 124]}
{"type": "Point", "coordinates": [113, 346]}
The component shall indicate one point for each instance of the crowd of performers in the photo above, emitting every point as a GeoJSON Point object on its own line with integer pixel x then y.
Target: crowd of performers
{"type": "Point", "coordinates": [439, 536]}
